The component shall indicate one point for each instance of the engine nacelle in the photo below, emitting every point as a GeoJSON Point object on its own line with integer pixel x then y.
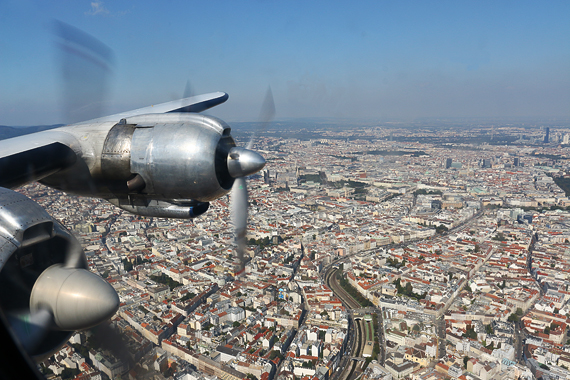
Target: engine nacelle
{"type": "Point", "coordinates": [169, 157]}
{"type": "Point", "coordinates": [44, 277]}
{"type": "Point", "coordinates": [165, 165]}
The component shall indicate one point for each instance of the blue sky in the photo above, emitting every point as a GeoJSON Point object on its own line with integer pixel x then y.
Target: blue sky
{"type": "Point", "coordinates": [379, 59]}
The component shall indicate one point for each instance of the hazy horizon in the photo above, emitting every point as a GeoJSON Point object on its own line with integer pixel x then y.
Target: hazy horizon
{"type": "Point", "coordinates": [384, 60]}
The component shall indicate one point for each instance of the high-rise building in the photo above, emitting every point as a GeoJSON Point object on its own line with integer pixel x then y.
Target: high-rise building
{"type": "Point", "coordinates": [547, 135]}
{"type": "Point", "coordinates": [516, 162]}
{"type": "Point", "coordinates": [266, 177]}
{"type": "Point", "coordinates": [448, 163]}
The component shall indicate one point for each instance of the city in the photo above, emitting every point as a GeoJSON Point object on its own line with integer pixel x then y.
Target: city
{"type": "Point", "coordinates": [265, 190]}
{"type": "Point", "coordinates": [429, 250]}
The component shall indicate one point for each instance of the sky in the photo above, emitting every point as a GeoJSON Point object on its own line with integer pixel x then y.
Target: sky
{"type": "Point", "coordinates": [386, 60]}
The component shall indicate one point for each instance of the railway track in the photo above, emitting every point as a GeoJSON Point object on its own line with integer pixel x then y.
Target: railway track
{"type": "Point", "coordinates": [359, 349]}
{"type": "Point", "coordinates": [330, 280]}
{"type": "Point", "coordinates": [342, 294]}
{"type": "Point", "coordinates": [350, 303]}
{"type": "Point", "coordinates": [360, 331]}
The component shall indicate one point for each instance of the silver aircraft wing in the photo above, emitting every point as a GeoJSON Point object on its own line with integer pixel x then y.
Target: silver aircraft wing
{"type": "Point", "coordinates": [29, 158]}
{"type": "Point", "coordinates": [32, 157]}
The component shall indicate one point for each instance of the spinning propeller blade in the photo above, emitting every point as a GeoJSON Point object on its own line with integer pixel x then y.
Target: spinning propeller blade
{"type": "Point", "coordinates": [242, 163]}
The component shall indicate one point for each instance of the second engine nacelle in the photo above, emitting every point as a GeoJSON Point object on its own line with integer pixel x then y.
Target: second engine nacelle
{"type": "Point", "coordinates": [47, 290]}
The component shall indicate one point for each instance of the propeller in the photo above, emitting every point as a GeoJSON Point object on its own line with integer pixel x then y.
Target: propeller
{"type": "Point", "coordinates": [31, 328]}
{"type": "Point", "coordinates": [243, 162]}
{"type": "Point", "coordinates": [266, 116]}
{"type": "Point", "coordinates": [85, 67]}
{"type": "Point", "coordinates": [188, 92]}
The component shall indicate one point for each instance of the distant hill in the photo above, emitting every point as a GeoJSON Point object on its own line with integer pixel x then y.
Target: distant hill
{"type": "Point", "coordinates": [9, 132]}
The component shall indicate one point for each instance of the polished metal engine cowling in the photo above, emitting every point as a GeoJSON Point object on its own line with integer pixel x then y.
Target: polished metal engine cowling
{"type": "Point", "coordinates": [181, 156]}
{"type": "Point", "coordinates": [30, 241]}
{"type": "Point", "coordinates": [44, 272]}
{"type": "Point", "coordinates": [116, 154]}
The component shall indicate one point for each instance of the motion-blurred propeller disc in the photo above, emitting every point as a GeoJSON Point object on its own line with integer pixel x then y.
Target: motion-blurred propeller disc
{"type": "Point", "coordinates": [85, 63]}
{"type": "Point", "coordinates": [188, 90]}
{"type": "Point", "coordinates": [31, 327]}
{"type": "Point", "coordinates": [243, 162]}
{"type": "Point", "coordinates": [266, 115]}
{"type": "Point", "coordinates": [238, 211]}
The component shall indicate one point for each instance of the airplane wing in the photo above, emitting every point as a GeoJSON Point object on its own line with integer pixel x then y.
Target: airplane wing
{"type": "Point", "coordinates": [32, 157]}
{"type": "Point", "coordinates": [29, 158]}
{"type": "Point", "coordinates": [194, 104]}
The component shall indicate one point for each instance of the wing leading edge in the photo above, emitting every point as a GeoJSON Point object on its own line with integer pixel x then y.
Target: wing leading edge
{"type": "Point", "coordinates": [192, 104]}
